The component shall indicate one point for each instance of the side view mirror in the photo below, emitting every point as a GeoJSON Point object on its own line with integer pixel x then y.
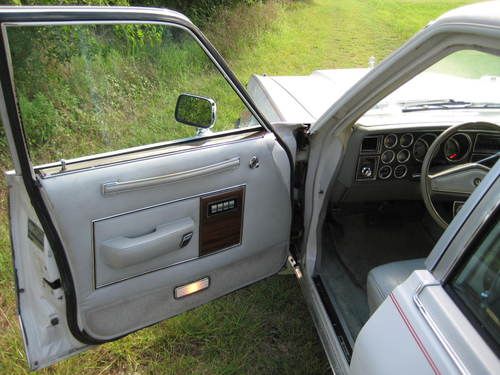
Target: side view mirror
{"type": "Point", "coordinates": [196, 111]}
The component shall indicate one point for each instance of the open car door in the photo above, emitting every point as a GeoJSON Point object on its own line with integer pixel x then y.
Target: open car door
{"type": "Point", "coordinates": [121, 216]}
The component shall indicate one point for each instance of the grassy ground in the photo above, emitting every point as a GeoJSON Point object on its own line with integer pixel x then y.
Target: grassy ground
{"type": "Point", "coordinates": [264, 328]}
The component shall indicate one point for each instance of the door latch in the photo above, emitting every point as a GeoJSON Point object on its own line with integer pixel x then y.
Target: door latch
{"type": "Point", "coordinates": [295, 267]}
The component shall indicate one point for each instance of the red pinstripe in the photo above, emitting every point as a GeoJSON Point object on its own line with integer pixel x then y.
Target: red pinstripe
{"type": "Point", "coordinates": [415, 336]}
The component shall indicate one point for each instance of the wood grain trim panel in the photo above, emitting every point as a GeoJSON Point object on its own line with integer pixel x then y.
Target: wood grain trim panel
{"type": "Point", "coordinates": [221, 230]}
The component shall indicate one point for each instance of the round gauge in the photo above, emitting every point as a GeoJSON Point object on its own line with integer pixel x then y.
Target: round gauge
{"type": "Point", "coordinates": [400, 171]}
{"type": "Point", "coordinates": [420, 149]}
{"type": "Point", "coordinates": [457, 147]}
{"type": "Point", "coordinates": [385, 172]}
{"type": "Point", "coordinates": [421, 146]}
{"type": "Point", "coordinates": [452, 150]}
{"type": "Point", "coordinates": [390, 141]}
{"type": "Point", "coordinates": [406, 140]}
{"type": "Point", "coordinates": [403, 156]}
{"type": "Point", "coordinates": [387, 156]}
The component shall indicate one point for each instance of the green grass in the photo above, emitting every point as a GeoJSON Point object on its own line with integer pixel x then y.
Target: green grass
{"type": "Point", "coordinates": [327, 34]}
{"type": "Point", "coordinates": [263, 329]}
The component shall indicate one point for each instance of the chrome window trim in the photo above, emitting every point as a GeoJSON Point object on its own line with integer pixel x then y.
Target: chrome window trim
{"type": "Point", "coordinates": [435, 329]}
{"type": "Point", "coordinates": [162, 147]}
{"type": "Point", "coordinates": [484, 220]}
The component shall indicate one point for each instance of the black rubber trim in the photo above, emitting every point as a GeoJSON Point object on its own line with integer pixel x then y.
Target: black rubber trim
{"type": "Point", "coordinates": [56, 284]}
{"type": "Point", "coordinates": [50, 14]}
{"type": "Point", "coordinates": [332, 314]}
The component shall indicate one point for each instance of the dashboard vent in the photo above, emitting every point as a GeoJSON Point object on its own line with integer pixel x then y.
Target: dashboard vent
{"type": "Point", "coordinates": [487, 144]}
{"type": "Point", "coordinates": [370, 145]}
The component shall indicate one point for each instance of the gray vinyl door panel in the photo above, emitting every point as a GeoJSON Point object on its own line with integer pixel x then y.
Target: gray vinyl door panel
{"type": "Point", "coordinates": [115, 301]}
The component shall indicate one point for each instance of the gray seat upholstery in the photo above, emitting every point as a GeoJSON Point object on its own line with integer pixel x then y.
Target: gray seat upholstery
{"type": "Point", "coordinates": [382, 280]}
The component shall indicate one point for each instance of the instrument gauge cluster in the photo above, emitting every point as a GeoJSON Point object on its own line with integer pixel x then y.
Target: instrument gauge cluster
{"type": "Point", "coordinates": [392, 156]}
{"type": "Point", "coordinates": [398, 156]}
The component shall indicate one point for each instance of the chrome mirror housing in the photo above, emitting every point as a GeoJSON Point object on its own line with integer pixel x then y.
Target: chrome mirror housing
{"type": "Point", "coordinates": [197, 111]}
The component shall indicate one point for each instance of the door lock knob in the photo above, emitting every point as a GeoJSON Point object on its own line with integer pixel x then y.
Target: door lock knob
{"type": "Point", "coordinates": [254, 162]}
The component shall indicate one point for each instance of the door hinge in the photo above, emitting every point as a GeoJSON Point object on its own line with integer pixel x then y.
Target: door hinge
{"type": "Point", "coordinates": [295, 267]}
{"type": "Point", "coordinates": [300, 173]}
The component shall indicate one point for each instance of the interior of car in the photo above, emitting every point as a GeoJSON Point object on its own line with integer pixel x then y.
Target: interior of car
{"type": "Point", "coordinates": [406, 173]}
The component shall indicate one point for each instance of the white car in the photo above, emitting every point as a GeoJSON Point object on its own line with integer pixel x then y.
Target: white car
{"type": "Point", "coordinates": [380, 187]}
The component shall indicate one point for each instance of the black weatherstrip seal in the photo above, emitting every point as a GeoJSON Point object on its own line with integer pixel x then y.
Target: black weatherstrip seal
{"type": "Point", "coordinates": [89, 14]}
{"type": "Point", "coordinates": [332, 314]}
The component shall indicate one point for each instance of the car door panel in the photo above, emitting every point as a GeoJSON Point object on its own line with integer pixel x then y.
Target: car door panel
{"type": "Point", "coordinates": [113, 301]}
{"type": "Point", "coordinates": [144, 289]}
{"type": "Point", "coordinates": [398, 327]}
{"type": "Point", "coordinates": [420, 330]}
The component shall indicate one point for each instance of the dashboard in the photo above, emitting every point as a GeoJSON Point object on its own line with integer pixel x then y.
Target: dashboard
{"type": "Point", "coordinates": [384, 162]}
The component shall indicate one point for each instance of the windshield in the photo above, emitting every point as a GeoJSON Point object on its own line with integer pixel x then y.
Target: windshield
{"type": "Point", "coordinates": [463, 80]}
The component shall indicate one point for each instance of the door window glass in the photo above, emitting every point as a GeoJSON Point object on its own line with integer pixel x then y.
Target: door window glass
{"type": "Point", "coordinates": [88, 89]}
{"type": "Point", "coordinates": [476, 284]}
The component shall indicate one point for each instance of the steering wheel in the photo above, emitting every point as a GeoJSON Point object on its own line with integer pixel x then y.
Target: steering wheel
{"type": "Point", "coordinates": [455, 180]}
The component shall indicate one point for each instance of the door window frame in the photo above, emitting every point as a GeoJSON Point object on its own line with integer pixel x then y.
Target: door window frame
{"type": "Point", "coordinates": [204, 44]}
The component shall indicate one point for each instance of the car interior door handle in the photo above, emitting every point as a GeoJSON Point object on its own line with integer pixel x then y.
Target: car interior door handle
{"type": "Point", "coordinates": [120, 252]}
{"type": "Point", "coordinates": [123, 186]}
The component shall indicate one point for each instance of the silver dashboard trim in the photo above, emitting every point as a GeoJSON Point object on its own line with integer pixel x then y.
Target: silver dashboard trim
{"type": "Point", "coordinates": [411, 141]}
{"type": "Point", "coordinates": [407, 157]}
